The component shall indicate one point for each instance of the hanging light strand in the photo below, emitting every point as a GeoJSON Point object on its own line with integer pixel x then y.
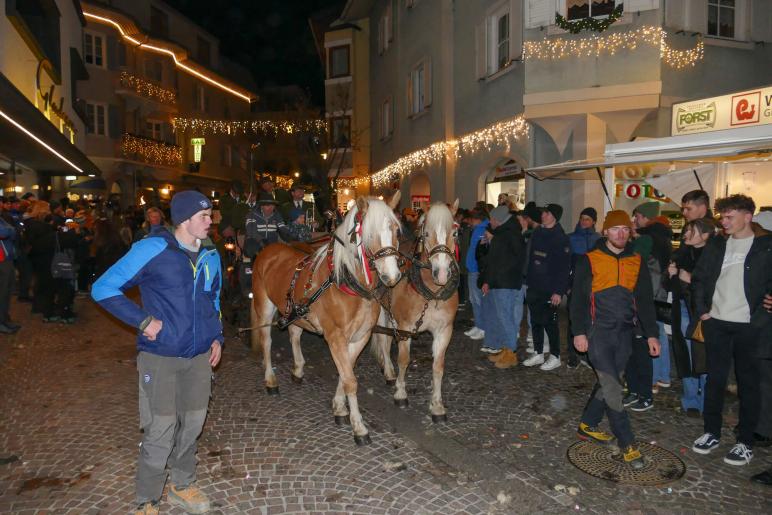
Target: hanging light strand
{"type": "Point", "coordinates": [233, 127]}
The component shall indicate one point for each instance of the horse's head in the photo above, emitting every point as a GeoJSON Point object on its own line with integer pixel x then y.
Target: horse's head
{"type": "Point", "coordinates": [379, 237]}
{"type": "Point", "coordinates": [438, 235]}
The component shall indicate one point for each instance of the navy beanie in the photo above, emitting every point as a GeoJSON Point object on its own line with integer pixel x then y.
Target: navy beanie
{"type": "Point", "coordinates": [591, 212]}
{"type": "Point", "coordinates": [186, 204]}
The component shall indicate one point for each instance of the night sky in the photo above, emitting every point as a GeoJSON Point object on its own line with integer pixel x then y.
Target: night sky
{"type": "Point", "coordinates": [272, 38]}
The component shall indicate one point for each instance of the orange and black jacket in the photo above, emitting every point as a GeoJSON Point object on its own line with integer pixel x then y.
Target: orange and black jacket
{"type": "Point", "coordinates": [612, 291]}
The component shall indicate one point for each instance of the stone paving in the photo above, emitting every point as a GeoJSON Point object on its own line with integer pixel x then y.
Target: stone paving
{"type": "Point", "coordinates": [68, 414]}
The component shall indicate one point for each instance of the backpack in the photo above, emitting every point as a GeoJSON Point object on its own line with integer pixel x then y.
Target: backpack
{"type": "Point", "coordinates": [62, 265]}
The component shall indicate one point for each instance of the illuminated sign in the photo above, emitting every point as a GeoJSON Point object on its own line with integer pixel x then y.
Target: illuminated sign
{"type": "Point", "coordinates": [636, 190]}
{"type": "Point", "coordinates": [197, 143]}
{"type": "Point", "coordinates": [49, 102]}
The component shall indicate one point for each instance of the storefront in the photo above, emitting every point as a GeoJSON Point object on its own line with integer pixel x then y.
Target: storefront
{"type": "Point", "coordinates": [506, 177]}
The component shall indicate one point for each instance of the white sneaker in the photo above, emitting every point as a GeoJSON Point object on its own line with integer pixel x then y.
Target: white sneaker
{"type": "Point", "coordinates": [534, 360]}
{"type": "Point", "coordinates": [529, 339]}
{"type": "Point", "coordinates": [479, 335]}
{"type": "Point", "coordinates": [471, 331]}
{"type": "Point", "coordinates": [551, 364]}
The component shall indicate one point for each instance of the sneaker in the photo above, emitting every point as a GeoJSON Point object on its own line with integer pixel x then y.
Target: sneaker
{"type": "Point", "coordinates": [530, 349]}
{"type": "Point", "coordinates": [573, 362]}
{"type": "Point", "coordinates": [663, 384]}
{"type": "Point", "coordinates": [148, 508]}
{"type": "Point", "coordinates": [536, 359]}
{"type": "Point", "coordinates": [585, 363]}
{"type": "Point", "coordinates": [489, 350]}
{"type": "Point", "coordinates": [479, 335]}
{"type": "Point", "coordinates": [586, 432]}
{"type": "Point", "coordinates": [631, 456]}
{"type": "Point", "coordinates": [630, 398]}
{"type": "Point", "coordinates": [654, 388]}
{"type": "Point", "coordinates": [642, 405]}
{"type": "Point", "coordinates": [552, 363]}
{"type": "Point", "coordinates": [472, 331]}
{"type": "Point", "coordinates": [739, 455]}
{"type": "Point", "coordinates": [705, 444]}
{"type": "Point", "coordinates": [190, 499]}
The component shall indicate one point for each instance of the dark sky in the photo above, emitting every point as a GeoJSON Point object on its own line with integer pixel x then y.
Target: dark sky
{"type": "Point", "coordinates": [271, 38]}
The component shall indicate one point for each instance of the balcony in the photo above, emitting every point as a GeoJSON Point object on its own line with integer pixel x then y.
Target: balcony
{"type": "Point", "coordinates": [145, 88]}
{"type": "Point", "coordinates": [151, 151]}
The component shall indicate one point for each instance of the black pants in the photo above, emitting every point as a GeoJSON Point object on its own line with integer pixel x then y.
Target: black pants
{"type": "Point", "coordinates": [609, 352]}
{"type": "Point", "coordinates": [724, 341]}
{"type": "Point", "coordinates": [640, 369]}
{"type": "Point", "coordinates": [24, 266]}
{"type": "Point", "coordinates": [462, 286]}
{"type": "Point", "coordinates": [7, 277]}
{"type": "Point", "coordinates": [544, 317]}
{"type": "Point", "coordinates": [764, 426]}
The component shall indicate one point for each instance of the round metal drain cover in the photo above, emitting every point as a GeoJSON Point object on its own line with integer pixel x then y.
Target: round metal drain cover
{"type": "Point", "coordinates": [661, 466]}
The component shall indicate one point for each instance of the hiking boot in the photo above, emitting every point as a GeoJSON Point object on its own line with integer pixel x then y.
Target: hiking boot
{"type": "Point", "coordinates": [586, 432]}
{"type": "Point", "coordinates": [507, 359]}
{"type": "Point", "coordinates": [630, 399]}
{"type": "Point", "coordinates": [536, 359]}
{"type": "Point", "coordinates": [552, 363]}
{"type": "Point", "coordinates": [740, 455]}
{"type": "Point", "coordinates": [705, 444]}
{"type": "Point", "coordinates": [642, 405]}
{"type": "Point", "coordinates": [148, 508]}
{"type": "Point", "coordinates": [631, 456]}
{"type": "Point", "coordinates": [190, 499]}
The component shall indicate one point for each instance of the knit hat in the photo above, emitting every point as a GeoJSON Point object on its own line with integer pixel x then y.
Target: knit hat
{"type": "Point", "coordinates": [501, 214]}
{"type": "Point", "coordinates": [589, 211]}
{"type": "Point", "coordinates": [187, 203]}
{"type": "Point", "coordinates": [295, 213]}
{"type": "Point", "coordinates": [616, 218]}
{"type": "Point", "coordinates": [648, 209]}
{"type": "Point", "coordinates": [556, 210]}
{"type": "Point", "coordinates": [532, 211]}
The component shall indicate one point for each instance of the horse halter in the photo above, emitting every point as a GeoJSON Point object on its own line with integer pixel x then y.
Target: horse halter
{"type": "Point", "coordinates": [448, 289]}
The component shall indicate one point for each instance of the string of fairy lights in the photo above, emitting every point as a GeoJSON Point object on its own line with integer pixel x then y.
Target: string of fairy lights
{"type": "Point", "coordinates": [147, 88]}
{"type": "Point", "coordinates": [499, 134]}
{"type": "Point", "coordinates": [609, 44]}
{"type": "Point", "coordinates": [150, 151]}
{"type": "Point", "coordinates": [233, 127]}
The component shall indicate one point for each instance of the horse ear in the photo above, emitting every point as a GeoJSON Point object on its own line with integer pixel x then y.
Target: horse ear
{"type": "Point", "coordinates": [394, 202]}
{"type": "Point", "coordinates": [454, 207]}
{"type": "Point", "coordinates": [362, 205]}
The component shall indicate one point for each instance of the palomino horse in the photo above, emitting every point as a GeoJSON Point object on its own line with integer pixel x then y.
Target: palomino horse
{"type": "Point", "coordinates": [426, 302]}
{"type": "Point", "coordinates": [334, 293]}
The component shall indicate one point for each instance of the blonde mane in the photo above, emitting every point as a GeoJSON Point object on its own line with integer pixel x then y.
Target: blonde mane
{"type": "Point", "coordinates": [439, 216]}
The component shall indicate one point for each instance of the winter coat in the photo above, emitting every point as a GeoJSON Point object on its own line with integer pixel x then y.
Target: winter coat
{"type": "Point", "coordinates": [582, 241]}
{"type": "Point", "coordinates": [504, 261]}
{"type": "Point", "coordinates": [474, 240]}
{"type": "Point", "coordinates": [549, 260]}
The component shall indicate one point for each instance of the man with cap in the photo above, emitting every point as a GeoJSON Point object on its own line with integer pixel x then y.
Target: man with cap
{"type": "Point", "coordinates": [179, 340]}
{"type": "Point", "coordinates": [231, 213]}
{"type": "Point", "coordinates": [611, 297]}
{"type": "Point", "coordinates": [297, 193]}
{"type": "Point", "coordinates": [263, 225]}
{"type": "Point", "coordinates": [267, 185]}
{"type": "Point", "coordinates": [549, 265]}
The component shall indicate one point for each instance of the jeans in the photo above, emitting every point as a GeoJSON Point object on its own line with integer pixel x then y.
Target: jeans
{"type": "Point", "coordinates": [501, 327]}
{"type": "Point", "coordinates": [475, 297]}
{"type": "Point", "coordinates": [662, 362]}
{"type": "Point", "coordinates": [694, 387]}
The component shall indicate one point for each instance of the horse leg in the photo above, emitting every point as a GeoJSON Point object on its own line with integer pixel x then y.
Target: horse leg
{"type": "Point", "coordinates": [439, 346]}
{"type": "Point", "coordinates": [379, 347]}
{"type": "Point", "coordinates": [262, 317]}
{"type": "Point", "coordinates": [403, 360]}
{"type": "Point", "coordinates": [344, 354]}
{"type": "Point", "coordinates": [297, 353]}
{"type": "Point", "coordinates": [339, 409]}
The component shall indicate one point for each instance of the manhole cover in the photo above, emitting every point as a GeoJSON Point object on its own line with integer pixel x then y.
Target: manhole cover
{"type": "Point", "coordinates": [661, 466]}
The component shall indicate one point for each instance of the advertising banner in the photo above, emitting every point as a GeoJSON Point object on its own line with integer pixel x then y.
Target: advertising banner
{"type": "Point", "coordinates": [746, 108]}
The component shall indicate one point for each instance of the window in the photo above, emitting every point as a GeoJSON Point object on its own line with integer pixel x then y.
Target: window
{"type": "Point", "coordinates": [387, 125]}
{"type": "Point", "coordinates": [203, 53]}
{"type": "Point", "coordinates": [419, 85]}
{"type": "Point", "coordinates": [498, 44]}
{"type": "Point", "coordinates": [340, 132]}
{"type": "Point", "coordinates": [225, 155]}
{"type": "Point", "coordinates": [201, 100]}
{"type": "Point", "coordinates": [721, 18]}
{"type": "Point", "coordinates": [385, 30]}
{"type": "Point", "coordinates": [96, 119]}
{"type": "Point", "coordinates": [339, 61]}
{"type": "Point", "coordinates": [154, 129]}
{"type": "Point", "coordinates": [154, 69]}
{"type": "Point", "coordinates": [94, 49]}
{"type": "Point", "coordinates": [159, 22]}
{"type": "Point", "coordinates": [578, 9]}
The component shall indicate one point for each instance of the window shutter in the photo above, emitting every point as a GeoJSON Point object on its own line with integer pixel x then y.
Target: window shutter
{"type": "Point", "coordinates": [515, 30]}
{"type": "Point", "coordinates": [427, 82]}
{"type": "Point", "coordinates": [480, 35]}
{"type": "Point", "coordinates": [114, 122]}
{"type": "Point", "coordinates": [634, 6]}
{"type": "Point", "coordinates": [112, 53]}
{"type": "Point", "coordinates": [391, 21]}
{"type": "Point", "coordinates": [539, 13]}
{"type": "Point", "coordinates": [409, 96]}
{"type": "Point", "coordinates": [761, 20]}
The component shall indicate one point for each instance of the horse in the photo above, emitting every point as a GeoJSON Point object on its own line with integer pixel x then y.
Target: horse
{"type": "Point", "coordinates": [417, 306]}
{"type": "Point", "coordinates": [343, 306]}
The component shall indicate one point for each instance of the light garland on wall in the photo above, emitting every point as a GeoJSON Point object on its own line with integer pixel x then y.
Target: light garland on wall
{"type": "Point", "coordinates": [595, 45]}
{"type": "Point", "coordinates": [150, 151]}
{"type": "Point", "coordinates": [233, 127]}
{"type": "Point", "coordinates": [495, 135]}
{"type": "Point", "coordinates": [148, 89]}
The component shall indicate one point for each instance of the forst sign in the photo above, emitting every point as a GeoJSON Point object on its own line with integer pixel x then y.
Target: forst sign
{"type": "Point", "coordinates": [752, 107]}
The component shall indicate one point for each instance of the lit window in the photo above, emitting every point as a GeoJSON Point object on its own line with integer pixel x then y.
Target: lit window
{"type": "Point", "coordinates": [340, 132]}
{"type": "Point", "coordinates": [96, 119]}
{"type": "Point", "coordinates": [578, 9]}
{"type": "Point", "coordinates": [339, 62]}
{"type": "Point", "coordinates": [721, 18]}
{"type": "Point", "coordinates": [93, 49]}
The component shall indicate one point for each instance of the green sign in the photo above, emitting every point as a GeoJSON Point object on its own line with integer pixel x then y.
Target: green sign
{"type": "Point", "coordinates": [197, 141]}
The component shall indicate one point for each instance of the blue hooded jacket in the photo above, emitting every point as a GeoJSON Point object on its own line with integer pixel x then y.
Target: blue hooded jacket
{"type": "Point", "coordinates": [477, 232]}
{"type": "Point", "coordinates": [582, 241]}
{"type": "Point", "coordinates": [184, 295]}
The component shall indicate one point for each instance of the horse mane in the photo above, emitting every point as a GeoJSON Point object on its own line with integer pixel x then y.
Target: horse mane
{"type": "Point", "coordinates": [438, 215]}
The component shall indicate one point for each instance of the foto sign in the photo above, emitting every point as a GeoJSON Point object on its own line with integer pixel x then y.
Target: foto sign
{"type": "Point", "coordinates": [752, 107]}
{"type": "Point", "coordinates": [197, 144]}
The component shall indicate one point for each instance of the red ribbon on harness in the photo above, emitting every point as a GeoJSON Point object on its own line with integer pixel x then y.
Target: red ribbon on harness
{"type": "Point", "coordinates": [361, 251]}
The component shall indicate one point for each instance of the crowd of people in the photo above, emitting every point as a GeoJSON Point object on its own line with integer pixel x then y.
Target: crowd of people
{"type": "Point", "coordinates": [643, 308]}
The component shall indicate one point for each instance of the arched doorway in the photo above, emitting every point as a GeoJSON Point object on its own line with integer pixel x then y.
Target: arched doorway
{"type": "Point", "coordinates": [420, 191]}
{"type": "Point", "coordinates": [505, 176]}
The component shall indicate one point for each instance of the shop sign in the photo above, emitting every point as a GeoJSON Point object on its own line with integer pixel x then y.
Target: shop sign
{"type": "Point", "coordinates": [639, 190]}
{"type": "Point", "coordinates": [508, 170]}
{"type": "Point", "coordinates": [197, 144]}
{"type": "Point", "coordinates": [753, 107]}
{"type": "Point", "coordinates": [416, 199]}
{"type": "Point", "coordinates": [49, 98]}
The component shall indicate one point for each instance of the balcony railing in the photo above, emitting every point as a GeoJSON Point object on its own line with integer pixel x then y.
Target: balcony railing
{"type": "Point", "coordinates": [148, 89]}
{"type": "Point", "coordinates": [147, 150]}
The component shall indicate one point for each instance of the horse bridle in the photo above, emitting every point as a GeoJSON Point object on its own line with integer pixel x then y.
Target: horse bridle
{"type": "Point", "coordinates": [448, 289]}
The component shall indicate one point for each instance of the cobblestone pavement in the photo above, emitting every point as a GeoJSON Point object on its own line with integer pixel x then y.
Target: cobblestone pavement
{"type": "Point", "coordinates": [69, 435]}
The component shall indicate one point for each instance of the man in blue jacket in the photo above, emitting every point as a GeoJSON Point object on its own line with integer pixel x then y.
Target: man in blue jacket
{"type": "Point", "coordinates": [179, 341]}
{"type": "Point", "coordinates": [479, 221]}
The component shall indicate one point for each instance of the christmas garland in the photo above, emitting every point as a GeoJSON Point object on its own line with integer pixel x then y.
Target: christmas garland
{"type": "Point", "coordinates": [598, 25]}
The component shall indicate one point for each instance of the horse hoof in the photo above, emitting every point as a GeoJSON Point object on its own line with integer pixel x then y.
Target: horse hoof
{"type": "Point", "coordinates": [391, 382]}
{"type": "Point", "coordinates": [363, 440]}
{"type": "Point", "coordinates": [296, 379]}
{"type": "Point", "coordinates": [402, 403]}
{"type": "Point", "coordinates": [272, 390]}
{"type": "Point", "coordinates": [439, 418]}
{"type": "Point", "coordinates": [341, 420]}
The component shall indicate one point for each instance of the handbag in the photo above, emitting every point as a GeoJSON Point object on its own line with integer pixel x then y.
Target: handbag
{"type": "Point", "coordinates": [664, 311]}
{"type": "Point", "coordinates": [697, 335]}
{"type": "Point", "coordinates": [62, 266]}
